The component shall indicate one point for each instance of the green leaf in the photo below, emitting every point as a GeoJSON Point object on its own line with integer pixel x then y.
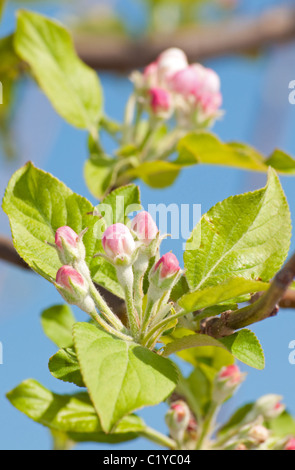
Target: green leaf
{"type": "Point", "coordinates": [243, 345]}
{"type": "Point", "coordinates": [98, 175]}
{"type": "Point", "coordinates": [246, 348]}
{"type": "Point", "coordinates": [73, 414]}
{"type": "Point", "coordinates": [72, 87]}
{"type": "Point", "coordinates": [9, 60]}
{"type": "Point", "coordinates": [246, 235]}
{"type": "Point", "coordinates": [156, 174]}
{"type": "Point", "coordinates": [122, 201]}
{"type": "Point", "coordinates": [191, 341]}
{"type": "Point", "coordinates": [70, 413]}
{"type": "Point", "coordinates": [227, 290]}
{"type": "Point", "coordinates": [282, 162]}
{"type": "Point", "coordinates": [37, 204]}
{"type": "Point", "coordinates": [236, 418]}
{"type": "Point", "coordinates": [206, 148]}
{"type": "Point", "coordinates": [120, 376]}
{"type": "Point", "coordinates": [57, 323]}
{"type": "Point", "coordinates": [64, 366]}
{"type": "Point", "coordinates": [283, 425]}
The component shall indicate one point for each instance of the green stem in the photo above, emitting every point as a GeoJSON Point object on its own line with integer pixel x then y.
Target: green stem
{"type": "Point", "coordinates": [138, 293]}
{"type": "Point", "coordinates": [108, 328]}
{"type": "Point", "coordinates": [105, 309]}
{"type": "Point", "coordinates": [147, 314]}
{"type": "Point", "coordinates": [158, 438]}
{"type": "Point", "coordinates": [131, 311]}
{"type": "Point", "coordinates": [163, 323]}
{"type": "Point", "coordinates": [208, 426]}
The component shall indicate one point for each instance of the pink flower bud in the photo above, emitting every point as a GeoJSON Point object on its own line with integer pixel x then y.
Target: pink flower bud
{"type": "Point", "coordinates": [259, 434]}
{"type": "Point", "coordinates": [269, 406]}
{"type": "Point", "coordinates": [177, 419]}
{"type": "Point", "coordinates": [290, 444]}
{"type": "Point", "coordinates": [118, 243]}
{"type": "Point", "coordinates": [171, 61]}
{"type": "Point", "coordinates": [167, 266]}
{"type": "Point", "coordinates": [231, 374]}
{"type": "Point", "coordinates": [145, 228]}
{"type": "Point", "coordinates": [69, 245]}
{"type": "Point", "coordinates": [160, 101]}
{"type": "Point", "coordinates": [67, 276]}
{"type": "Point", "coordinates": [150, 75]}
{"type": "Point", "coordinates": [188, 81]}
{"type": "Point", "coordinates": [74, 289]}
{"type": "Point", "coordinates": [67, 235]}
{"type": "Point", "coordinates": [211, 81]}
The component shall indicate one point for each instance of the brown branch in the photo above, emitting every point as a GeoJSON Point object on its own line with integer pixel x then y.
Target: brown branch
{"type": "Point", "coordinates": [234, 36]}
{"type": "Point", "coordinates": [266, 306]}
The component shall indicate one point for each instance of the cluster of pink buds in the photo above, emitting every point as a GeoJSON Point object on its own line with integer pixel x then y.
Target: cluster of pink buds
{"type": "Point", "coordinates": [170, 85]}
{"type": "Point", "coordinates": [72, 278]}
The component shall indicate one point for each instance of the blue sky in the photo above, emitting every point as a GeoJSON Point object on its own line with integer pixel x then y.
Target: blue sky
{"type": "Point", "coordinates": [257, 110]}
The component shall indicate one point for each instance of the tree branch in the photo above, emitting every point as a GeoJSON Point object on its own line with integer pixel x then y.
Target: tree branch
{"type": "Point", "coordinates": [266, 306]}
{"type": "Point", "coordinates": [201, 42]}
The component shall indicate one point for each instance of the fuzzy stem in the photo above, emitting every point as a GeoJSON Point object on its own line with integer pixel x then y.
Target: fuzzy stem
{"type": "Point", "coordinates": [208, 426]}
{"type": "Point", "coordinates": [95, 316]}
{"type": "Point", "coordinates": [105, 309]}
{"type": "Point", "coordinates": [126, 279]}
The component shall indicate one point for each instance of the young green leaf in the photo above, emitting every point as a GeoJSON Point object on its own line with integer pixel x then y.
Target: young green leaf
{"type": "Point", "coordinates": [37, 204]}
{"type": "Point", "coordinates": [64, 366]}
{"type": "Point", "coordinates": [57, 323]}
{"type": "Point", "coordinates": [246, 235]}
{"type": "Point", "coordinates": [206, 148]}
{"type": "Point", "coordinates": [98, 175]}
{"type": "Point", "coordinates": [243, 345]}
{"type": "Point", "coordinates": [122, 201]}
{"type": "Point", "coordinates": [246, 348]}
{"type": "Point", "coordinates": [227, 290]}
{"type": "Point", "coordinates": [156, 174]}
{"type": "Point", "coordinates": [73, 414]}
{"type": "Point", "coordinates": [120, 376]}
{"type": "Point", "coordinates": [71, 86]}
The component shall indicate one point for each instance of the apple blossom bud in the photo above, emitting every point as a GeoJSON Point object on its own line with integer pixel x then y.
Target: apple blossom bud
{"type": "Point", "coordinates": [290, 444]}
{"type": "Point", "coordinates": [211, 81]}
{"type": "Point", "coordinates": [258, 434]}
{"type": "Point", "coordinates": [161, 102]}
{"type": "Point", "coordinates": [150, 75]}
{"type": "Point", "coordinates": [69, 245]}
{"type": "Point", "coordinates": [189, 80]}
{"type": "Point", "coordinates": [144, 227]}
{"type": "Point", "coordinates": [74, 289]}
{"type": "Point", "coordinates": [269, 406]}
{"type": "Point", "coordinates": [171, 61]}
{"type": "Point", "coordinates": [118, 244]}
{"type": "Point", "coordinates": [167, 266]}
{"type": "Point", "coordinates": [177, 419]}
{"type": "Point", "coordinates": [226, 382]}
{"type": "Point", "coordinates": [164, 274]}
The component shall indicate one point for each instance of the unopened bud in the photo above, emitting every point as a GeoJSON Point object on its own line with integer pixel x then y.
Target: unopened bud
{"type": "Point", "coordinates": [171, 61]}
{"type": "Point", "coordinates": [290, 444]}
{"type": "Point", "coordinates": [118, 244]}
{"type": "Point", "coordinates": [69, 245]}
{"type": "Point", "coordinates": [161, 102]}
{"type": "Point", "coordinates": [165, 272]}
{"type": "Point", "coordinates": [177, 419]}
{"type": "Point", "coordinates": [226, 382]}
{"type": "Point", "coordinates": [73, 288]}
{"type": "Point", "coordinates": [258, 434]}
{"type": "Point", "coordinates": [144, 227]}
{"type": "Point", "coordinates": [269, 406]}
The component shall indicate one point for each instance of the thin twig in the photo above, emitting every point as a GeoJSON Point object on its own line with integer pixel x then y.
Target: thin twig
{"type": "Point", "coordinates": [276, 25]}
{"type": "Point", "coordinates": [266, 306]}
